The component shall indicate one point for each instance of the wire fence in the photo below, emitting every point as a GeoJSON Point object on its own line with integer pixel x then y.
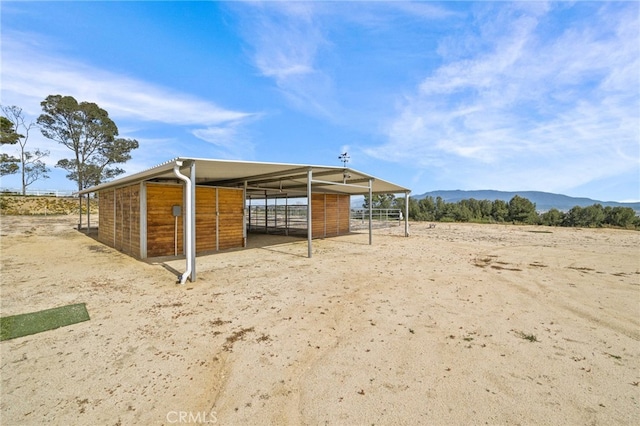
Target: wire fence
{"type": "Point", "coordinates": [293, 218]}
{"type": "Point", "coordinates": [379, 218]}
{"type": "Point", "coordinates": [277, 219]}
{"type": "Point", "coordinates": [39, 192]}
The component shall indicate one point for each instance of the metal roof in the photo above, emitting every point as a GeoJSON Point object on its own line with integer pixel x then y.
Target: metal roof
{"type": "Point", "coordinates": [263, 178]}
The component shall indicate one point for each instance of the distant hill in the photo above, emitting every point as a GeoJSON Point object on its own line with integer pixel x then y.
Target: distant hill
{"type": "Point", "coordinates": [544, 200]}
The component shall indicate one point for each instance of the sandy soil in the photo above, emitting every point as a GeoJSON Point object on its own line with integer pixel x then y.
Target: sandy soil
{"type": "Point", "coordinates": [428, 329]}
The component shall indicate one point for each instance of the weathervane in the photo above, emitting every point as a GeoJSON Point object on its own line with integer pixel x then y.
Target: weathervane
{"type": "Point", "coordinates": [344, 158]}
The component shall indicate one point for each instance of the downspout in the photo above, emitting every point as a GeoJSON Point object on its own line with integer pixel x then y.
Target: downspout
{"type": "Point", "coordinates": [187, 215]}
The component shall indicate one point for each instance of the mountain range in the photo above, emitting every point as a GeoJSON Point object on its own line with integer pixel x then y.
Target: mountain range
{"type": "Point", "coordinates": [543, 200]}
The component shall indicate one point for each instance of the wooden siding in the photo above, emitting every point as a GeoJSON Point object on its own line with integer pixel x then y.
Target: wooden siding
{"type": "Point", "coordinates": [219, 218]}
{"type": "Point", "coordinates": [216, 228]}
{"type": "Point", "coordinates": [119, 219]}
{"type": "Point", "coordinates": [231, 218]}
{"type": "Point", "coordinates": [106, 217]}
{"type": "Point", "coordinates": [161, 235]}
{"type": "Point", "coordinates": [205, 218]}
{"type": "Point", "coordinates": [329, 215]}
{"type": "Point", "coordinates": [344, 214]}
{"type": "Point", "coordinates": [317, 216]}
{"type": "Point", "coordinates": [135, 220]}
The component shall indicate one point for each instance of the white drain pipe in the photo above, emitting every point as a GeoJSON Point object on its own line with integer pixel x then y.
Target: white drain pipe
{"type": "Point", "coordinates": [187, 215]}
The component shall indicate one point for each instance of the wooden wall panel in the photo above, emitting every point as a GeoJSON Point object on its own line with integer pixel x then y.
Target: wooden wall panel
{"type": "Point", "coordinates": [231, 219]}
{"type": "Point", "coordinates": [160, 221]}
{"type": "Point", "coordinates": [128, 220]}
{"type": "Point", "coordinates": [330, 215]}
{"type": "Point", "coordinates": [205, 218]}
{"type": "Point", "coordinates": [344, 214]}
{"type": "Point", "coordinates": [317, 216]}
{"type": "Point", "coordinates": [105, 218]}
{"type": "Point", "coordinates": [134, 220]}
{"type": "Point", "coordinates": [119, 227]}
{"type": "Point", "coordinates": [122, 218]}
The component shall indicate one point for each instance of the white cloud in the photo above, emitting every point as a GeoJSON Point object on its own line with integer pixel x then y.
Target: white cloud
{"type": "Point", "coordinates": [424, 10]}
{"type": "Point", "coordinates": [529, 111]}
{"type": "Point", "coordinates": [29, 75]}
{"type": "Point", "coordinates": [286, 39]}
{"type": "Point", "coordinates": [31, 71]}
{"type": "Point", "coordinates": [229, 141]}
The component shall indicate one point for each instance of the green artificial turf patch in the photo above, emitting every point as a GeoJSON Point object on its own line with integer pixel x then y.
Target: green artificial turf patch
{"type": "Point", "coordinates": [37, 322]}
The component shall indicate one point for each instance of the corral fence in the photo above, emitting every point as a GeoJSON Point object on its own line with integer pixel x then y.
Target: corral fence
{"type": "Point", "coordinates": [380, 218]}
{"type": "Point", "coordinates": [277, 219]}
{"type": "Point", "coordinates": [292, 219]}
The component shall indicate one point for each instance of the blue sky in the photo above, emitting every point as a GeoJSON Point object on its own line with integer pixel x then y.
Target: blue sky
{"type": "Point", "coordinates": [428, 95]}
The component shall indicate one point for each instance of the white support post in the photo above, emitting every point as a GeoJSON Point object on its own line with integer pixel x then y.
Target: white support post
{"type": "Point", "coordinates": [80, 212]}
{"type": "Point", "coordinates": [309, 221]}
{"type": "Point", "coordinates": [249, 214]}
{"type": "Point", "coordinates": [244, 215]}
{"type": "Point", "coordinates": [286, 215]}
{"type": "Point", "coordinates": [217, 219]}
{"type": "Point", "coordinates": [143, 220]}
{"type": "Point", "coordinates": [406, 214]}
{"type": "Point", "coordinates": [370, 211]}
{"type": "Point", "coordinates": [115, 215]}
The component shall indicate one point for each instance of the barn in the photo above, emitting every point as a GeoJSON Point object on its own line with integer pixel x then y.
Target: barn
{"type": "Point", "coordinates": [191, 206]}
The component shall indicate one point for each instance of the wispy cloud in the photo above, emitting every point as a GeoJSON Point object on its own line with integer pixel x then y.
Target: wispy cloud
{"type": "Point", "coordinates": [528, 110]}
{"type": "Point", "coordinates": [296, 44]}
{"type": "Point", "coordinates": [33, 68]}
{"type": "Point", "coordinates": [29, 74]}
{"type": "Point", "coordinates": [285, 39]}
{"type": "Point", "coordinates": [229, 141]}
{"type": "Point", "coordinates": [422, 10]}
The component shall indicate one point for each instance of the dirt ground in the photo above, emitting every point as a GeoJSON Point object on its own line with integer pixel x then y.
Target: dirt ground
{"type": "Point", "coordinates": [457, 324]}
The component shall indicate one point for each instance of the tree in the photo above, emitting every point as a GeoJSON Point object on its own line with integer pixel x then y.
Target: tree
{"type": "Point", "coordinates": [8, 165]}
{"type": "Point", "coordinates": [553, 217]}
{"type": "Point", "coordinates": [8, 136]}
{"type": "Point", "coordinates": [594, 215]}
{"type": "Point", "coordinates": [499, 210]}
{"type": "Point", "coordinates": [486, 207]}
{"type": "Point", "coordinates": [522, 210]}
{"type": "Point", "coordinates": [426, 209]}
{"type": "Point", "coordinates": [440, 208]}
{"type": "Point", "coordinates": [8, 133]}
{"type": "Point", "coordinates": [87, 130]}
{"type": "Point", "coordinates": [619, 216]}
{"type": "Point", "coordinates": [573, 217]}
{"type": "Point", "coordinates": [590, 216]}
{"type": "Point", "coordinates": [31, 164]}
{"type": "Point", "coordinates": [380, 201]}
